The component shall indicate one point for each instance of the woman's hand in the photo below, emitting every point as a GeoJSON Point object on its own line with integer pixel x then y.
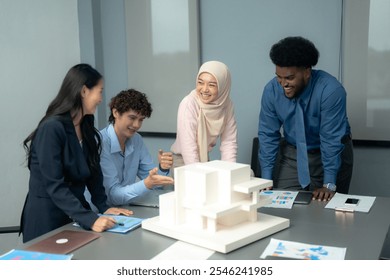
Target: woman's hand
{"type": "Point", "coordinates": [105, 222]}
{"type": "Point", "coordinates": [118, 211]}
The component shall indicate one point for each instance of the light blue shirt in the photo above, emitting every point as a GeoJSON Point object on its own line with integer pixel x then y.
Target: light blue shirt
{"type": "Point", "coordinates": [324, 106]}
{"type": "Point", "coordinates": [120, 171]}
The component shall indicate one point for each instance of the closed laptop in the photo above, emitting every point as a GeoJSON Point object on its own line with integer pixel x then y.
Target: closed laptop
{"type": "Point", "coordinates": [63, 242]}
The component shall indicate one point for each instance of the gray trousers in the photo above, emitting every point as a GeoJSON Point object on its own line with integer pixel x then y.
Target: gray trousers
{"type": "Point", "coordinates": [286, 175]}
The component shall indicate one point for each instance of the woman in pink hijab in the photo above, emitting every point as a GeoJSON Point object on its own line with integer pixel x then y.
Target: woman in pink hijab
{"type": "Point", "coordinates": [204, 115]}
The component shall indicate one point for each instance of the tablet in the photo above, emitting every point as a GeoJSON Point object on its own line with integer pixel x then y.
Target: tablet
{"type": "Point", "coordinates": [303, 197]}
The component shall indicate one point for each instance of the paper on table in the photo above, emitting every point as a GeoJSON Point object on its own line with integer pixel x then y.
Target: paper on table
{"type": "Point", "coordinates": [184, 251]}
{"type": "Point", "coordinates": [302, 251]}
{"type": "Point", "coordinates": [125, 223]}
{"type": "Point", "coordinates": [338, 201]}
{"type": "Point", "coordinates": [280, 199]}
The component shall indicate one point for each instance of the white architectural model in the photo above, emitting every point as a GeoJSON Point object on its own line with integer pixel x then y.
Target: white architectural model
{"type": "Point", "coordinates": [214, 205]}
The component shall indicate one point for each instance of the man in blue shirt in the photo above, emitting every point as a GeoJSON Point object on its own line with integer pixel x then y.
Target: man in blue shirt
{"type": "Point", "coordinates": [124, 156]}
{"type": "Point", "coordinates": [309, 106]}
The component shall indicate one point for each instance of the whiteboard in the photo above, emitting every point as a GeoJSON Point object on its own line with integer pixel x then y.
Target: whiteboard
{"type": "Point", "coordinates": [163, 56]}
{"type": "Point", "coordinates": [365, 67]}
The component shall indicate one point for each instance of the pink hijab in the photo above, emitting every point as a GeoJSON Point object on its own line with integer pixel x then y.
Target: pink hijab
{"type": "Point", "coordinates": [213, 117]}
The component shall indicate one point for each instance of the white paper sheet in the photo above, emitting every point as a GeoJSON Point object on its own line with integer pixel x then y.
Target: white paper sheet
{"type": "Point", "coordinates": [338, 202]}
{"type": "Point", "coordinates": [184, 251]}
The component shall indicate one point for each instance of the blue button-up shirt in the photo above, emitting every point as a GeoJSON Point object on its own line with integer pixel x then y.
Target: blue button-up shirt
{"type": "Point", "coordinates": [324, 106]}
{"type": "Point", "coordinates": [121, 171]}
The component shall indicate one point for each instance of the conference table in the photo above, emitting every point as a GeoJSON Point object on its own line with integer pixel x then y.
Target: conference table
{"type": "Point", "coordinates": [363, 234]}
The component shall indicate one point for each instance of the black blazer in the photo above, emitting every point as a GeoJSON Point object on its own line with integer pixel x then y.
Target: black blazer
{"type": "Point", "coordinates": [58, 175]}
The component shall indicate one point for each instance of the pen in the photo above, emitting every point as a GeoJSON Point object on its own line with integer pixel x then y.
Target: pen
{"type": "Point", "coordinates": [344, 209]}
{"type": "Point", "coordinates": [119, 224]}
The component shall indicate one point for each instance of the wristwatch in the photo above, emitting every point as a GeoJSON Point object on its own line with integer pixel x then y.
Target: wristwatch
{"type": "Point", "coordinates": [330, 186]}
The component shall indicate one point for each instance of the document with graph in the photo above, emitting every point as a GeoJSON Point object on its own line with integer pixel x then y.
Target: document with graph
{"type": "Point", "coordinates": [280, 199]}
{"type": "Point", "coordinates": [302, 251]}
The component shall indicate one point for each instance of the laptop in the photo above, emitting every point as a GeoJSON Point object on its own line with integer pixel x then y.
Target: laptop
{"type": "Point", "coordinates": [63, 242]}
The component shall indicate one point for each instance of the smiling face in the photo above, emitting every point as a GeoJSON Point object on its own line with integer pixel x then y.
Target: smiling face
{"type": "Point", "coordinates": [207, 88]}
{"type": "Point", "coordinates": [293, 79]}
{"type": "Point", "coordinates": [92, 97]}
{"type": "Point", "coordinates": [127, 124]}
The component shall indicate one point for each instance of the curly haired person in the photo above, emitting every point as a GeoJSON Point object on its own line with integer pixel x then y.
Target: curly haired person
{"type": "Point", "coordinates": [308, 108]}
{"type": "Point", "coordinates": [125, 158]}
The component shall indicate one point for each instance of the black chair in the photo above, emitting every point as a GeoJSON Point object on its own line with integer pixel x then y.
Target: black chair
{"type": "Point", "coordinates": [10, 229]}
{"type": "Point", "coordinates": [255, 164]}
{"type": "Point", "coordinates": [385, 253]}
{"type": "Point", "coordinates": [8, 238]}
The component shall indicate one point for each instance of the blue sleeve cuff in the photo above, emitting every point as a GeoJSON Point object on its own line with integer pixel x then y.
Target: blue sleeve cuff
{"type": "Point", "coordinates": [328, 178]}
{"type": "Point", "coordinates": [164, 171]}
{"type": "Point", "coordinates": [266, 174]}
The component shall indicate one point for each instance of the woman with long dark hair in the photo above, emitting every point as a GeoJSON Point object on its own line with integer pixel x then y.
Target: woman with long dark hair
{"type": "Point", "coordinates": [63, 155]}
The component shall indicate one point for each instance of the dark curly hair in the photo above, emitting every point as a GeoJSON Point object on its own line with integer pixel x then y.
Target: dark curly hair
{"type": "Point", "coordinates": [130, 99]}
{"type": "Point", "coordinates": [294, 51]}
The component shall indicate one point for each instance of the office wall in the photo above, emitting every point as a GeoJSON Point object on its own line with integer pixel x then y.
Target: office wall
{"type": "Point", "coordinates": [103, 43]}
{"type": "Point", "coordinates": [39, 42]}
{"type": "Point", "coordinates": [366, 59]}
{"type": "Point", "coordinates": [371, 171]}
{"type": "Point", "coordinates": [163, 52]}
